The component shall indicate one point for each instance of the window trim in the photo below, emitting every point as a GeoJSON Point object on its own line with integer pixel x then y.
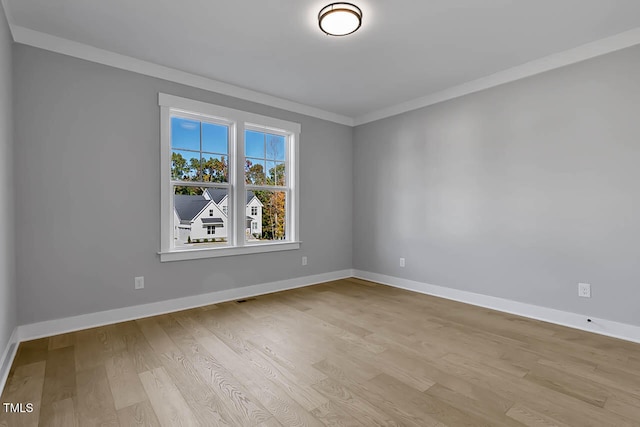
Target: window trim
{"type": "Point", "coordinates": [237, 121]}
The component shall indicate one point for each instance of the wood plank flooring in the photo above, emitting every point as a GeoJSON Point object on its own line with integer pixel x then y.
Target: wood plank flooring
{"type": "Point", "coordinates": [343, 353]}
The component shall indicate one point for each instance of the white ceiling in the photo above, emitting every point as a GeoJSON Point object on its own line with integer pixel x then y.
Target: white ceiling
{"type": "Point", "coordinates": [404, 50]}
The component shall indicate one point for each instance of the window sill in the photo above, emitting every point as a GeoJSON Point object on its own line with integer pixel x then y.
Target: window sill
{"type": "Point", "coordinates": [186, 254]}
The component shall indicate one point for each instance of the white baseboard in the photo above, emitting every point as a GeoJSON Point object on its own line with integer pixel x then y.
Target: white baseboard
{"type": "Point", "coordinates": [76, 323]}
{"type": "Point", "coordinates": [53, 327]}
{"type": "Point", "coordinates": [572, 320]}
{"type": "Point", "coordinates": [7, 358]}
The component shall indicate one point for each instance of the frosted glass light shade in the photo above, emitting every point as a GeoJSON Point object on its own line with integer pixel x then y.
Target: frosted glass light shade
{"type": "Point", "coordinates": [340, 19]}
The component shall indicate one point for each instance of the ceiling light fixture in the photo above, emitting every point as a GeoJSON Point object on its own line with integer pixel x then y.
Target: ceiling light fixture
{"type": "Point", "coordinates": [340, 19]}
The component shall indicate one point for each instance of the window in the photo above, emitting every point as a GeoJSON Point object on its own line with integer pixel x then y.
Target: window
{"type": "Point", "coordinates": [220, 161]}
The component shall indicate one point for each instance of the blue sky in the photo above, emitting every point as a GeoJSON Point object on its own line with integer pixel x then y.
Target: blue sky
{"type": "Point", "coordinates": [185, 134]}
{"type": "Point", "coordinates": [264, 148]}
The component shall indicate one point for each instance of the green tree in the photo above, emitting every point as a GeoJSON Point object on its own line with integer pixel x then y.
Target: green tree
{"type": "Point", "coordinates": [273, 202]}
{"type": "Point", "coordinates": [276, 175]}
{"type": "Point", "coordinates": [215, 170]}
{"type": "Point", "coordinates": [195, 166]}
{"type": "Point", "coordinates": [180, 170]}
{"type": "Point", "coordinates": [274, 205]}
{"type": "Point", "coordinates": [273, 214]}
{"type": "Point", "coordinates": [254, 174]}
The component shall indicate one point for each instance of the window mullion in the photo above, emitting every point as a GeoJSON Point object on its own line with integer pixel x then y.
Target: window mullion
{"type": "Point", "coordinates": [265, 187]}
{"type": "Point", "coordinates": [207, 184]}
{"type": "Point", "coordinates": [239, 196]}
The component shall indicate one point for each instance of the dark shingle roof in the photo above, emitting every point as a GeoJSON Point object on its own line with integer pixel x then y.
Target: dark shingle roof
{"type": "Point", "coordinates": [188, 206]}
{"type": "Point", "coordinates": [217, 194]}
{"type": "Point", "coordinates": [250, 196]}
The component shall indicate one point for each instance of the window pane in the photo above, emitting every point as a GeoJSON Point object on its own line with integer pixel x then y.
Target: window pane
{"type": "Point", "coordinates": [280, 174]}
{"type": "Point", "coordinates": [254, 144]}
{"type": "Point", "coordinates": [271, 173]}
{"type": "Point", "coordinates": [215, 138]}
{"type": "Point", "coordinates": [185, 133]}
{"type": "Point", "coordinates": [265, 216]}
{"type": "Point", "coordinates": [215, 168]}
{"type": "Point", "coordinates": [199, 218]}
{"type": "Point", "coordinates": [185, 165]}
{"type": "Point", "coordinates": [255, 172]}
{"type": "Point", "coordinates": [275, 147]}
{"type": "Point", "coordinates": [265, 154]}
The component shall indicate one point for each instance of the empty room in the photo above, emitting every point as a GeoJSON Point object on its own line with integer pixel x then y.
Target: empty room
{"type": "Point", "coordinates": [310, 213]}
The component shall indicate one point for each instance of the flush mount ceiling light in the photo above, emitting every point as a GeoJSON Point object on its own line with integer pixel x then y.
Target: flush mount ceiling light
{"type": "Point", "coordinates": [340, 19]}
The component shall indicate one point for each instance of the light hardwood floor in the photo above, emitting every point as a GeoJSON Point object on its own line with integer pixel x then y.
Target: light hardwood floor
{"type": "Point", "coordinates": [344, 353]}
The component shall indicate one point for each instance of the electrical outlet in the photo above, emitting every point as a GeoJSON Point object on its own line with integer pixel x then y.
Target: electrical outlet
{"type": "Point", "coordinates": [304, 260]}
{"type": "Point", "coordinates": [139, 282]}
{"type": "Point", "coordinates": [584, 290]}
{"type": "Point", "coordinates": [401, 262]}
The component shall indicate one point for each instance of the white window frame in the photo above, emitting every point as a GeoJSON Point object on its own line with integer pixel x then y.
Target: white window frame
{"type": "Point", "coordinates": [238, 121]}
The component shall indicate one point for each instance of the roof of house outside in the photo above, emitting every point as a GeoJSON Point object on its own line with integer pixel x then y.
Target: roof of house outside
{"type": "Point", "coordinates": [217, 194]}
{"type": "Point", "coordinates": [187, 206]}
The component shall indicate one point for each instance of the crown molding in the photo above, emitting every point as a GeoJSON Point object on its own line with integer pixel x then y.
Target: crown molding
{"type": "Point", "coordinates": [547, 63]}
{"type": "Point", "coordinates": [89, 53]}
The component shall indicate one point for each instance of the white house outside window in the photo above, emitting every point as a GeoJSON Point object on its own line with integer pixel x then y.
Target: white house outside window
{"type": "Point", "coordinates": [229, 181]}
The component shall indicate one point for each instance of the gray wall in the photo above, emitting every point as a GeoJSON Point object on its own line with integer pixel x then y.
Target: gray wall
{"type": "Point", "coordinates": [88, 193]}
{"type": "Point", "coordinates": [519, 192]}
{"type": "Point", "coordinates": [7, 261]}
